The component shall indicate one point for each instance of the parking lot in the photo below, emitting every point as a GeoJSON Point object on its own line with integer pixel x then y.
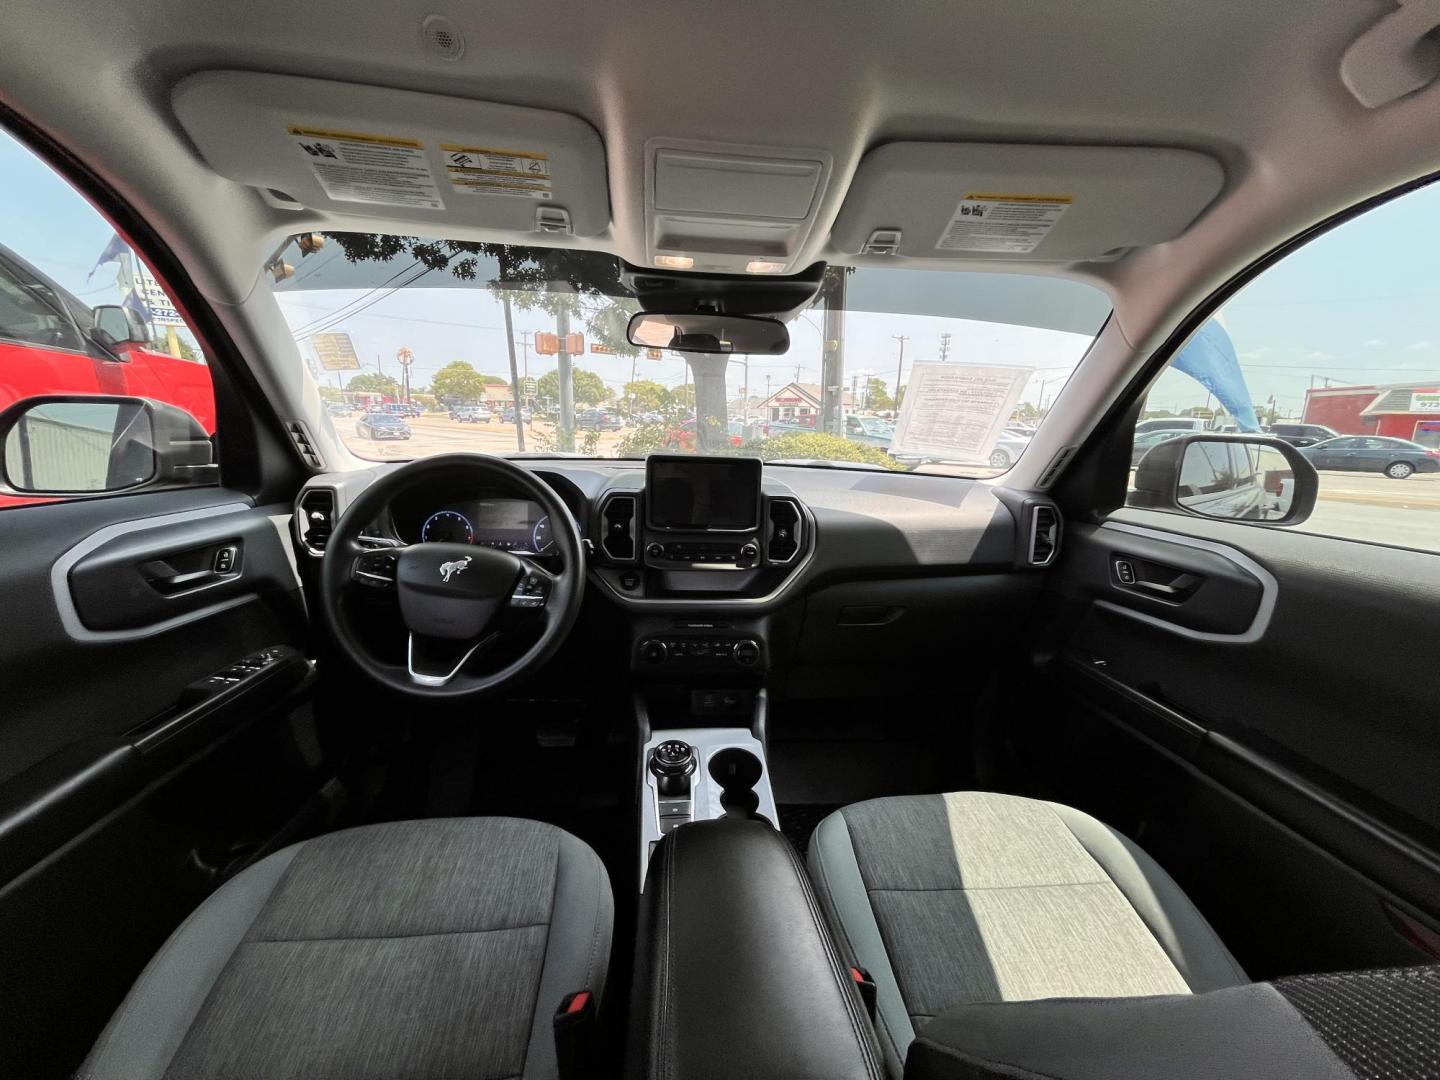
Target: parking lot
{"type": "Point", "coordinates": [440, 434]}
{"type": "Point", "coordinates": [1368, 506]}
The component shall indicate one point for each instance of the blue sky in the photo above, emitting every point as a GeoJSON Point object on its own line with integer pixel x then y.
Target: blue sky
{"type": "Point", "coordinates": [1359, 305]}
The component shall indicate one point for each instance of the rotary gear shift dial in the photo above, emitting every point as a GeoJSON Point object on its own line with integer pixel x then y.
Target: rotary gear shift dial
{"type": "Point", "coordinates": [672, 763]}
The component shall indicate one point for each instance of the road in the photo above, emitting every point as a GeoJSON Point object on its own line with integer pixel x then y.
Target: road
{"type": "Point", "coordinates": [1368, 506]}
{"type": "Point", "coordinates": [1362, 506]}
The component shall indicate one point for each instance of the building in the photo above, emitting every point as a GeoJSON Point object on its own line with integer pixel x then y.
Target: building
{"type": "Point", "coordinates": [798, 403]}
{"type": "Point", "coordinates": [1400, 410]}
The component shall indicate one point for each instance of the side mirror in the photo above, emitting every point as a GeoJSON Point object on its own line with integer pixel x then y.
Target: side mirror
{"type": "Point", "coordinates": [120, 325]}
{"type": "Point", "coordinates": [709, 333]}
{"type": "Point", "coordinates": [1230, 477]}
{"type": "Point", "coordinates": [66, 444]}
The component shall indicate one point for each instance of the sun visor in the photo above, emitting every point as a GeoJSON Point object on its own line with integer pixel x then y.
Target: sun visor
{"type": "Point", "coordinates": [1021, 203]}
{"type": "Point", "coordinates": [376, 152]}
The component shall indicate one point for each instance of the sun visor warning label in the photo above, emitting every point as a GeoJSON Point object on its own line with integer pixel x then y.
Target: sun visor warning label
{"type": "Point", "coordinates": [483, 170]}
{"type": "Point", "coordinates": [381, 169]}
{"type": "Point", "coordinates": [1014, 224]}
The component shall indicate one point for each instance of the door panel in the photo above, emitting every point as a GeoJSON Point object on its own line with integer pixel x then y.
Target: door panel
{"type": "Point", "coordinates": [155, 733]}
{"type": "Point", "coordinates": [1314, 726]}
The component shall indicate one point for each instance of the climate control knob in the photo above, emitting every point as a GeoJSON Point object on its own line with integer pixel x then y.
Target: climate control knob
{"type": "Point", "coordinates": [746, 653]}
{"type": "Point", "coordinates": [653, 651]}
{"type": "Point", "coordinates": [749, 553]}
{"type": "Point", "coordinates": [655, 549]}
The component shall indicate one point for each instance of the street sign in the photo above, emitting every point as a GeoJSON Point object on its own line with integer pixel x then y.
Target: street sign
{"type": "Point", "coordinates": [528, 385]}
{"type": "Point", "coordinates": [335, 352]}
{"type": "Point", "coordinates": [654, 354]}
{"type": "Point", "coordinates": [601, 350]}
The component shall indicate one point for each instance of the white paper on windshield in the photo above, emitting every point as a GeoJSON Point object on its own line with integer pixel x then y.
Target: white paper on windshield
{"type": "Point", "coordinates": [955, 412]}
{"type": "Point", "coordinates": [997, 221]}
{"type": "Point", "coordinates": [355, 167]}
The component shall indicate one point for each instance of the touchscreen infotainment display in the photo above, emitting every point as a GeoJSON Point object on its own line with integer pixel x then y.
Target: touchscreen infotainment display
{"type": "Point", "coordinates": [702, 493]}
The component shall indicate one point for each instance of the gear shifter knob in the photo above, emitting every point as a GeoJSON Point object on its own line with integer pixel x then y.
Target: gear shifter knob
{"type": "Point", "coordinates": [671, 763]}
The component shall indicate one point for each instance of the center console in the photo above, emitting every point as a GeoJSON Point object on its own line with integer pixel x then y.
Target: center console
{"type": "Point", "coordinates": [702, 529]}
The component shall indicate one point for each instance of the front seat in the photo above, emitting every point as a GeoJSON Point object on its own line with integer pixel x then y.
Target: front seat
{"type": "Point", "coordinates": [976, 897]}
{"type": "Point", "coordinates": [402, 951]}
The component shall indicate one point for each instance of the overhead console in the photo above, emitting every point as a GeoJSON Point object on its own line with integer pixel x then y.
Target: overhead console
{"type": "Point", "coordinates": [943, 202]}
{"type": "Point", "coordinates": [702, 529]}
{"type": "Point", "coordinates": [427, 158]}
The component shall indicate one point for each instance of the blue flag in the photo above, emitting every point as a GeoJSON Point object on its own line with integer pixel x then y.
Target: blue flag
{"type": "Point", "coordinates": [134, 303]}
{"type": "Point", "coordinates": [114, 252]}
{"type": "Point", "coordinates": [1209, 358]}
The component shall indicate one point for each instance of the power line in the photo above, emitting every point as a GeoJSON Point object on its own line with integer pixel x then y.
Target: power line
{"type": "Point", "coordinates": [342, 312]}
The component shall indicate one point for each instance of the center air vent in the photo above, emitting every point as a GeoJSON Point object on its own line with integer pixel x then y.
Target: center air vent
{"type": "Point", "coordinates": [784, 530]}
{"type": "Point", "coordinates": [1044, 534]}
{"type": "Point", "coordinates": [316, 519]}
{"type": "Point", "coordinates": [618, 518]}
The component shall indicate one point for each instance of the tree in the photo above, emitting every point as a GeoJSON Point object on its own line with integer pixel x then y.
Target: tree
{"type": "Point", "coordinates": [647, 395]}
{"type": "Point", "coordinates": [159, 343]}
{"type": "Point", "coordinates": [877, 395]}
{"type": "Point", "coordinates": [684, 397]}
{"type": "Point", "coordinates": [590, 389]}
{"type": "Point", "coordinates": [565, 283]}
{"type": "Point", "coordinates": [370, 382]}
{"type": "Point", "coordinates": [459, 380]}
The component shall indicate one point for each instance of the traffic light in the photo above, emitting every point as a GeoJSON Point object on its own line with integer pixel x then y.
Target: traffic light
{"type": "Point", "coordinates": [309, 243]}
{"type": "Point", "coordinates": [574, 344]}
{"type": "Point", "coordinates": [547, 344]}
{"type": "Point", "coordinates": [281, 270]}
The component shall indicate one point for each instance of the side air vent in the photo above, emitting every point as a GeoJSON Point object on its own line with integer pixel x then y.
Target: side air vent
{"type": "Point", "coordinates": [1056, 466]}
{"type": "Point", "coordinates": [305, 443]}
{"type": "Point", "coordinates": [316, 519]}
{"type": "Point", "coordinates": [784, 530]}
{"type": "Point", "coordinates": [1044, 534]}
{"type": "Point", "coordinates": [618, 517]}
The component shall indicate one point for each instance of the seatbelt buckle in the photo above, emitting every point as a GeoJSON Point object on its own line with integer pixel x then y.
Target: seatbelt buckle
{"type": "Point", "coordinates": [866, 985]}
{"type": "Point", "coordinates": [574, 1025]}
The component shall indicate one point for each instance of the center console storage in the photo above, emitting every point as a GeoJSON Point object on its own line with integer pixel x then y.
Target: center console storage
{"type": "Point", "coordinates": [736, 972]}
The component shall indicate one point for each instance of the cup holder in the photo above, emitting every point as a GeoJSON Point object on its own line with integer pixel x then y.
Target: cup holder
{"type": "Point", "coordinates": [737, 772]}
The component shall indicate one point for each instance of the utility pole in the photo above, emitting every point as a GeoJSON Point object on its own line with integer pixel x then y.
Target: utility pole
{"type": "Point", "coordinates": [525, 336]}
{"type": "Point", "coordinates": [767, 393]}
{"type": "Point", "coordinates": [945, 346]}
{"type": "Point", "coordinates": [900, 367]}
{"type": "Point", "coordinates": [516, 387]}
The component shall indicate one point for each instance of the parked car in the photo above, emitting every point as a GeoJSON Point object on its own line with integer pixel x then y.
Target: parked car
{"type": "Point", "coordinates": [1302, 435]}
{"type": "Point", "coordinates": [869, 431]}
{"type": "Point", "coordinates": [339, 408]}
{"type": "Point", "coordinates": [53, 343]}
{"type": "Point", "coordinates": [471, 414]}
{"type": "Point", "coordinates": [508, 416]}
{"type": "Point", "coordinates": [1172, 423]}
{"type": "Point", "coordinates": [382, 425]}
{"type": "Point", "coordinates": [597, 420]}
{"type": "Point", "coordinates": [1145, 441]}
{"type": "Point", "coordinates": [1398, 459]}
{"type": "Point", "coordinates": [1007, 450]}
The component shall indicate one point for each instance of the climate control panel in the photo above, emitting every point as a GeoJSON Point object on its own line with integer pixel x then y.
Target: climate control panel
{"type": "Point", "coordinates": [700, 653]}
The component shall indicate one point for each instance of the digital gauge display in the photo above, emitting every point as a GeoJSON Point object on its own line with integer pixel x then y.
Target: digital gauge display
{"type": "Point", "coordinates": [447, 527]}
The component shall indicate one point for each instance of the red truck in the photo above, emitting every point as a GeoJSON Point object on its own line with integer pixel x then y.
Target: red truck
{"type": "Point", "coordinates": [52, 343]}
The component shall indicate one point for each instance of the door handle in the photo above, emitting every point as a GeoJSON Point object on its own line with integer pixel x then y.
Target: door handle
{"type": "Point", "coordinates": [193, 569]}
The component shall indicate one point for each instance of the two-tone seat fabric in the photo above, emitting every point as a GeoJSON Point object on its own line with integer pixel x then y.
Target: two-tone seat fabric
{"type": "Point", "coordinates": [404, 951]}
{"type": "Point", "coordinates": [975, 897]}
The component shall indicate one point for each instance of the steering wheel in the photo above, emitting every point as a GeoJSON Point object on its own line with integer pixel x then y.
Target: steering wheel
{"type": "Point", "coordinates": [452, 596]}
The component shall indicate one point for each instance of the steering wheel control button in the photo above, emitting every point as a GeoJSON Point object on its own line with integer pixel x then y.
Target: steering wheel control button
{"type": "Point", "coordinates": [532, 592]}
{"type": "Point", "coordinates": [376, 569]}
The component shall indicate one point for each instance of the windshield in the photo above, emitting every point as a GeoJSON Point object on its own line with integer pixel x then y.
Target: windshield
{"type": "Point", "coordinates": [886, 368]}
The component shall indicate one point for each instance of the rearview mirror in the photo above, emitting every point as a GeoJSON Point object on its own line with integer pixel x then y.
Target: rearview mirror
{"type": "Point", "coordinates": [89, 445]}
{"type": "Point", "coordinates": [121, 325]}
{"type": "Point", "coordinates": [708, 333]}
{"type": "Point", "coordinates": [1230, 477]}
